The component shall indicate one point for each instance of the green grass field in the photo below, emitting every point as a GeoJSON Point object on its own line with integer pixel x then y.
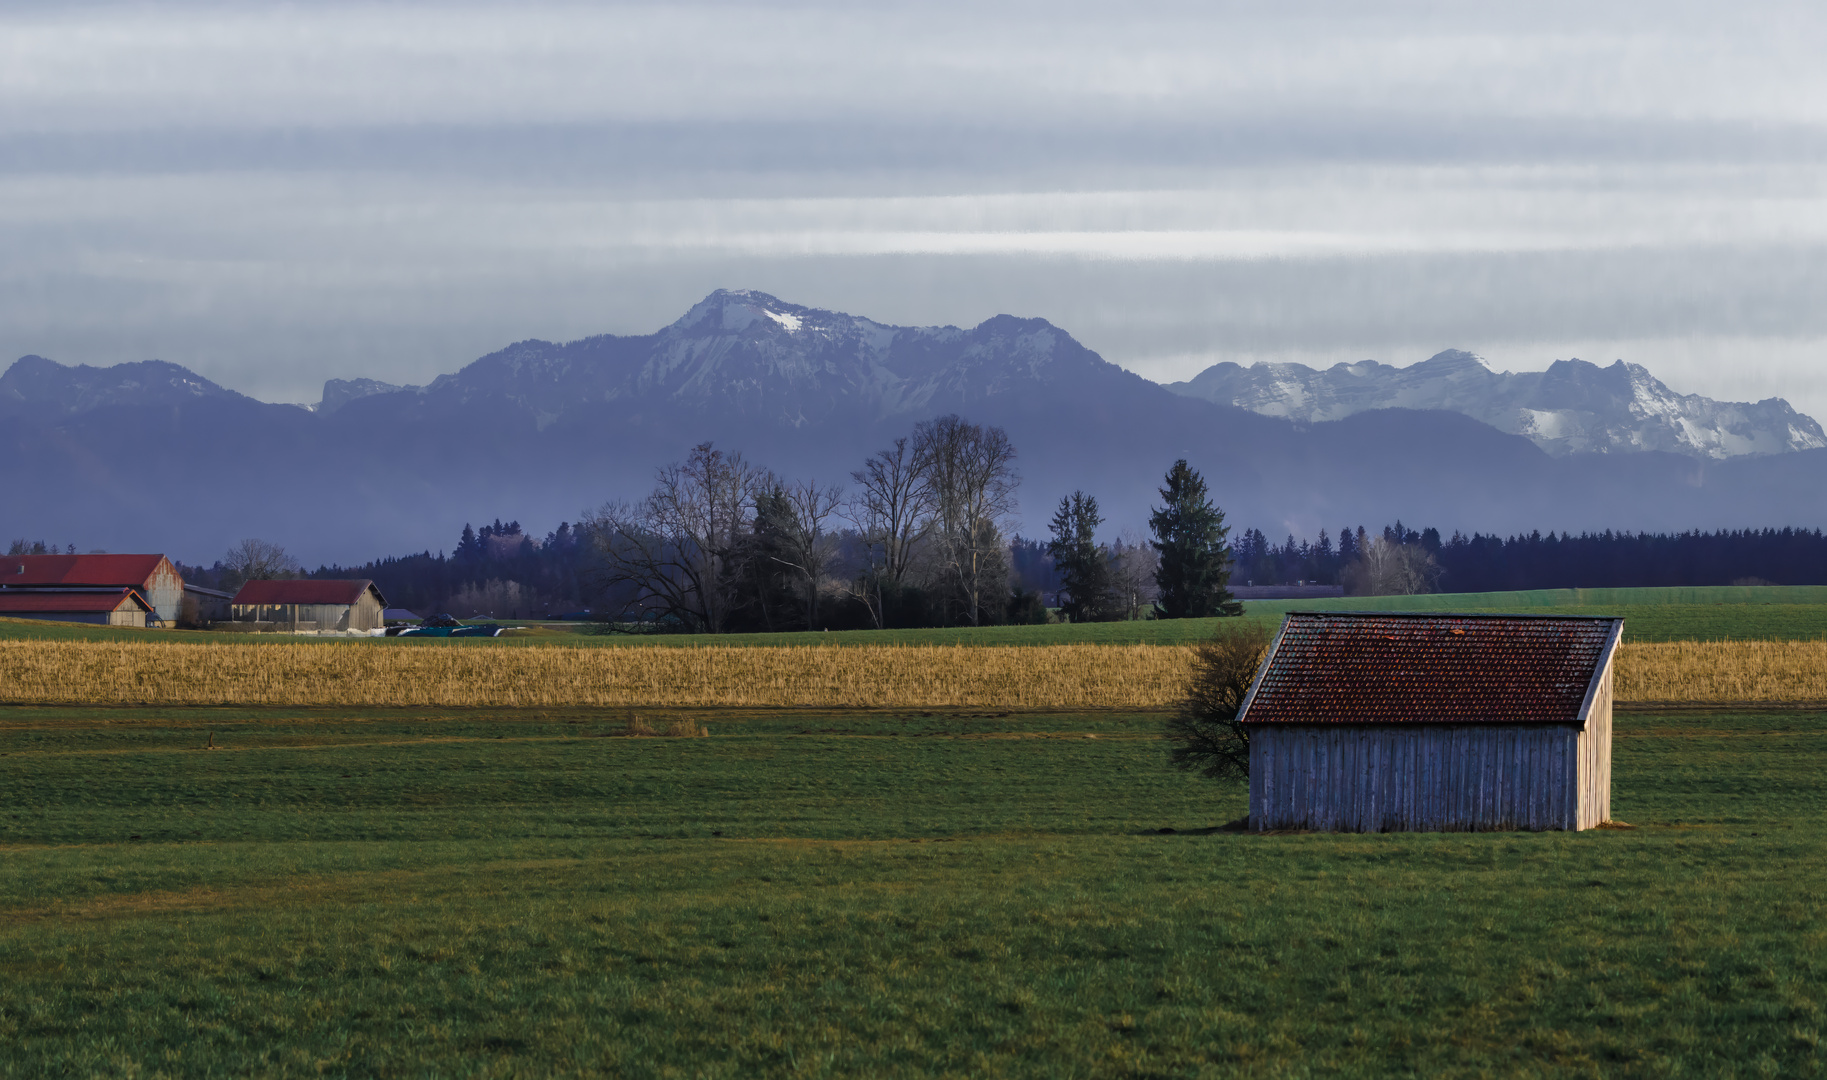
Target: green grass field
{"type": "Point", "coordinates": [390, 893]}
{"type": "Point", "coordinates": [1740, 613]}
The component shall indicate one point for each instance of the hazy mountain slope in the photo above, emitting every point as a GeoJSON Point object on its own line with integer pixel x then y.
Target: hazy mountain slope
{"type": "Point", "coordinates": [1572, 407]}
{"type": "Point", "coordinates": [539, 431]}
{"type": "Point", "coordinates": [40, 388]}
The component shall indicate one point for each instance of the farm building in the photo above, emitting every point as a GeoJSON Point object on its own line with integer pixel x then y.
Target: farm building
{"type": "Point", "coordinates": [304, 604]}
{"type": "Point", "coordinates": [151, 576]}
{"type": "Point", "coordinates": [103, 606]}
{"type": "Point", "coordinates": [1392, 722]}
{"type": "Point", "coordinates": [204, 606]}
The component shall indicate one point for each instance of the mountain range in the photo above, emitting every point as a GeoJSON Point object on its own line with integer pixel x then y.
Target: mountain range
{"type": "Point", "coordinates": [1573, 407]}
{"type": "Point", "coordinates": [150, 456]}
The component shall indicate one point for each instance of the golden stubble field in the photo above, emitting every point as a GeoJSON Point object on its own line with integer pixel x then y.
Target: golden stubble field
{"type": "Point", "coordinates": [1056, 677]}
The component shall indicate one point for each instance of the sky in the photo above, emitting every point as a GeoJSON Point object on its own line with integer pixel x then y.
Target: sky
{"type": "Point", "coordinates": [275, 195]}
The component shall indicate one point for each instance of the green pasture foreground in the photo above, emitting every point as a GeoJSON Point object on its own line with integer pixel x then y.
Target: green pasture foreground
{"type": "Point", "coordinates": [401, 894]}
{"type": "Point", "coordinates": [1726, 612]}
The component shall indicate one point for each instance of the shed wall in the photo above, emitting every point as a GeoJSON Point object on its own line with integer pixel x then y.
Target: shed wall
{"type": "Point", "coordinates": [1595, 757]}
{"type": "Point", "coordinates": [1420, 777]}
{"type": "Point", "coordinates": [366, 613]}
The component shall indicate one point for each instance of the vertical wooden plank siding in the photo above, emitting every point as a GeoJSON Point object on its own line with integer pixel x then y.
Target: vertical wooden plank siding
{"type": "Point", "coordinates": [1431, 777]}
{"type": "Point", "coordinates": [1595, 757]}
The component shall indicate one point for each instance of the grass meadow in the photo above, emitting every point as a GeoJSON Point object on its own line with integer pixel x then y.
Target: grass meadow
{"type": "Point", "coordinates": [889, 893]}
{"type": "Point", "coordinates": [1712, 613]}
{"type": "Point", "coordinates": [463, 871]}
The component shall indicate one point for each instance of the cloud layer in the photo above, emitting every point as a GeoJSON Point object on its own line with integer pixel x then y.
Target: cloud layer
{"type": "Point", "coordinates": [276, 195]}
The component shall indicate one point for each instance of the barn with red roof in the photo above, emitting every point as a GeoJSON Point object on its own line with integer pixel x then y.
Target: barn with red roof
{"type": "Point", "coordinates": [309, 605]}
{"type": "Point", "coordinates": [151, 577]}
{"type": "Point", "coordinates": [103, 606]}
{"type": "Point", "coordinates": [1385, 722]}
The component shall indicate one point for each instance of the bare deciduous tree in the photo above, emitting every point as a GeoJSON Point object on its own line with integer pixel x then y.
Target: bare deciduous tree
{"type": "Point", "coordinates": [493, 598]}
{"type": "Point", "coordinates": [892, 510]}
{"type": "Point", "coordinates": [805, 545]}
{"type": "Point", "coordinates": [971, 470]}
{"type": "Point", "coordinates": [1207, 737]}
{"type": "Point", "coordinates": [1133, 562]}
{"type": "Point", "coordinates": [1390, 569]}
{"type": "Point", "coordinates": [677, 547]}
{"type": "Point", "coordinates": [258, 560]}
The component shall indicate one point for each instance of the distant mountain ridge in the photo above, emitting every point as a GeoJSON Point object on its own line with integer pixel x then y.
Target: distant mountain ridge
{"type": "Point", "coordinates": [757, 356]}
{"type": "Point", "coordinates": [36, 386]}
{"type": "Point", "coordinates": [1573, 407]}
{"type": "Point", "coordinates": [152, 457]}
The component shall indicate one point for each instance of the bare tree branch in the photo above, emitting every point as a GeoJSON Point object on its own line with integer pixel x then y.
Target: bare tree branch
{"type": "Point", "coordinates": [971, 470]}
{"type": "Point", "coordinates": [678, 546]}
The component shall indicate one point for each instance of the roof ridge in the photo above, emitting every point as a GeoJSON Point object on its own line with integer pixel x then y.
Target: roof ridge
{"type": "Point", "coordinates": [1458, 615]}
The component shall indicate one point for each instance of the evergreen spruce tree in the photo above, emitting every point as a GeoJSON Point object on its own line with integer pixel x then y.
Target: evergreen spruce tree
{"type": "Point", "coordinates": [1195, 560]}
{"type": "Point", "coordinates": [1082, 565]}
{"type": "Point", "coordinates": [469, 547]}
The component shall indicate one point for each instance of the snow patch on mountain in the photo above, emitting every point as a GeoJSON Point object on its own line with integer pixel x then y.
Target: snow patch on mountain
{"type": "Point", "coordinates": [1573, 407]}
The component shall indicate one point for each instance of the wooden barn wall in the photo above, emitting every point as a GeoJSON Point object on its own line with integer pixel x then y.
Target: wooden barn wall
{"type": "Point", "coordinates": [164, 591]}
{"type": "Point", "coordinates": [366, 614]}
{"type": "Point", "coordinates": [1595, 757]}
{"type": "Point", "coordinates": [287, 617]}
{"type": "Point", "coordinates": [1421, 777]}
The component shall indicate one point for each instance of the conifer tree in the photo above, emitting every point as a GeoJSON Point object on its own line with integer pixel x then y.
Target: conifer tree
{"type": "Point", "coordinates": [1083, 565]}
{"type": "Point", "coordinates": [1195, 560]}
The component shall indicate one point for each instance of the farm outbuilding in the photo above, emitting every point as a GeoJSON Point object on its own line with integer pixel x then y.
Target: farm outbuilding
{"type": "Point", "coordinates": [204, 606]}
{"type": "Point", "coordinates": [102, 606]}
{"type": "Point", "coordinates": [151, 576]}
{"type": "Point", "coordinates": [1386, 722]}
{"type": "Point", "coordinates": [308, 605]}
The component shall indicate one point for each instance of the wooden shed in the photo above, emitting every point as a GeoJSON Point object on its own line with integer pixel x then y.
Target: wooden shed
{"type": "Point", "coordinates": [102, 606]}
{"type": "Point", "coordinates": [151, 576]}
{"type": "Point", "coordinates": [308, 605]}
{"type": "Point", "coordinates": [1387, 722]}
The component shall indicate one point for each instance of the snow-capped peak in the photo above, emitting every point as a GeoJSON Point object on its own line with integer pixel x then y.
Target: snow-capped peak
{"type": "Point", "coordinates": [1572, 407]}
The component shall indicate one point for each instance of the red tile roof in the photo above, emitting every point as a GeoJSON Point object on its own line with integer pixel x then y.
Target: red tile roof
{"type": "Point", "coordinates": [134, 570]}
{"type": "Point", "coordinates": [304, 591]}
{"type": "Point", "coordinates": [46, 601]}
{"type": "Point", "coordinates": [1453, 669]}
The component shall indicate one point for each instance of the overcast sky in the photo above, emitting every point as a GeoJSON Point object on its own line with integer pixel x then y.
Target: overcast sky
{"type": "Point", "coordinates": [276, 195]}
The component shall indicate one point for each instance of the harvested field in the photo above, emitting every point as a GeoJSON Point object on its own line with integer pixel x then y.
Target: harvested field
{"type": "Point", "coordinates": [904, 676]}
{"type": "Point", "coordinates": [1723, 671]}
{"type": "Point", "coordinates": [1060, 677]}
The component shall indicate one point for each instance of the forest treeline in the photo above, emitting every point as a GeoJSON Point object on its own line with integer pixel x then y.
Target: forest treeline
{"type": "Point", "coordinates": [499, 569]}
{"type": "Point", "coordinates": [1490, 563]}
{"type": "Point", "coordinates": [921, 534]}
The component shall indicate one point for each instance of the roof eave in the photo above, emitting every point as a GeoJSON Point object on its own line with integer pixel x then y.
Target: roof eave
{"type": "Point", "coordinates": [1262, 669]}
{"type": "Point", "coordinates": [1598, 672]}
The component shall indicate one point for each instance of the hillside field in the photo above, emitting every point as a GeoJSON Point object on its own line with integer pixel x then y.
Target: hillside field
{"type": "Point", "coordinates": [398, 893]}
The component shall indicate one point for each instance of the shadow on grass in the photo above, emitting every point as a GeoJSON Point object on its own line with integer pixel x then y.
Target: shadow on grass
{"type": "Point", "coordinates": [1240, 825]}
